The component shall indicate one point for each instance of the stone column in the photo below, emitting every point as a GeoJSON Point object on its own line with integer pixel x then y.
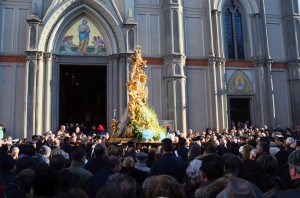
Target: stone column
{"type": "Point", "coordinates": [32, 58]}
{"type": "Point", "coordinates": [173, 25]}
{"type": "Point", "coordinates": [113, 86]}
{"type": "Point", "coordinates": [48, 91]}
{"type": "Point", "coordinates": [221, 94]}
{"type": "Point", "coordinates": [219, 117]}
{"type": "Point", "coordinates": [124, 68]}
{"type": "Point", "coordinates": [292, 24]}
{"type": "Point", "coordinates": [55, 94]}
{"type": "Point", "coordinates": [175, 83]}
{"type": "Point", "coordinates": [39, 121]}
{"type": "Point", "coordinates": [255, 31]}
{"type": "Point", "coordinates": [271, 101]}
{"type": "Point", "coordinates": [294, 83]}
{"type": "Point", "coordinates": [34, 90]}
{"type": "Point", "coordinates": [174, 63]}
{"type": "Point", "coordinates": [263, 67]}
{"type": "Point", "coordinates": [265, 111]}
{"type": "Point", "coordinates": [214, 92]}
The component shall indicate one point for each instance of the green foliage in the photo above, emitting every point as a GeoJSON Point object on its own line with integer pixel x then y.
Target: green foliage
{"type": "Point", "coordinates": [148, 120]}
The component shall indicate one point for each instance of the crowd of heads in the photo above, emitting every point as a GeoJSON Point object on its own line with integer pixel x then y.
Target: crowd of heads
{"type": "Point", "coordinates": [244, 161]}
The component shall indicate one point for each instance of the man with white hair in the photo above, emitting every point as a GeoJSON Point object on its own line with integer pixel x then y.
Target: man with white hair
{"type": "Point", "coordinates": [15, 152]}
{"type": "Point", "coordinates": [289, 141]}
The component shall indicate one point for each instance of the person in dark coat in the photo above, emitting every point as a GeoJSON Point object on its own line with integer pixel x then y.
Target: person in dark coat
{"type": "Point", "coordinates": [95, 164]}
{"type": "Point", "coordinates": [77, 164]}
{"type": "Point", "coordinates": [57, 150]}
{"type": "Point", "coordinates": [183, 149]}
{"type": "Point", "coordinates": [168, 164]}
{"type": "Point", "coordinates": [67, 147]}
{"type": "Point", "coordinates": [8, 176]}
{"type": "Point", "coordinates": [28, 160]}
{"type": "Point", "coordinates": [97, 181]}
{"type": "Point", "coordinates": [294, 170]}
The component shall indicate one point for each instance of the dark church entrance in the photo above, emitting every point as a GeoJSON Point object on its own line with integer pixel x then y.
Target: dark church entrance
{"type": "Point", "coordinates": [239, 110]}
{"type": "Point", "coordinates": [83, 97]}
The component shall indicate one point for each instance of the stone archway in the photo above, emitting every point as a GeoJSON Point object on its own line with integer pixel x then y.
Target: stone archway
{"type": "Point", "coordinates": [48, 57]}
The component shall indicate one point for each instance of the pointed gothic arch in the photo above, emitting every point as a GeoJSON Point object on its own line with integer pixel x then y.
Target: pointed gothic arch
{"type": "Point", "coordinates": [251, 6]}
{"type": "Point", "coordinates": [59, 19]}
{"type": "Point", "coordinates": [239, 84]}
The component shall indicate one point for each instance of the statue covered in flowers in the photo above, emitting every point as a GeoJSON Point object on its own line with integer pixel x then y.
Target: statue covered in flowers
{"type": "Point", "coordinates": [142, 118]}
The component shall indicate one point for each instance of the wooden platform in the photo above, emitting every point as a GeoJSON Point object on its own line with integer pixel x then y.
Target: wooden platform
{"type": "Point", "coordinates": [124, 141]}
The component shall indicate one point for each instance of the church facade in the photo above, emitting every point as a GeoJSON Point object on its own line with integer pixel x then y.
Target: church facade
{"type": "Point", "coordinates": [210, 62]}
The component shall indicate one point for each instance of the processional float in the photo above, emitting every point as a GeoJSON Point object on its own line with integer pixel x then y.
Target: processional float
{"type": "Point", "coordinates": [139, 120]}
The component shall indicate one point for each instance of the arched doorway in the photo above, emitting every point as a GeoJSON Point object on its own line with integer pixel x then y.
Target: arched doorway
{"type": "Point", "coordinates": [59, 45]}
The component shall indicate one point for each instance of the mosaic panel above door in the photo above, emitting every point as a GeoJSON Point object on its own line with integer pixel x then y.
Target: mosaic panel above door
{"type": "Point", "coordinates": [83, 38]}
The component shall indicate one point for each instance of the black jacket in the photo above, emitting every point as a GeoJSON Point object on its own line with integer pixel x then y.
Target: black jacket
{"type": "Point", "coordinates": [291, 193]}
{"type": "Point", "coordinates": [168, 164]}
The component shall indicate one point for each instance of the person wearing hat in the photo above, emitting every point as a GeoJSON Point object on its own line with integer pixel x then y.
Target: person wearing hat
{"type": "Point", "coordinates": [100, 129]}
{"type": "Point", "coordinates": [294, 171]}
{"type": "Point", "coordinates": [238, 187]}
{"type": "Point", "coordinates": [141, 162]}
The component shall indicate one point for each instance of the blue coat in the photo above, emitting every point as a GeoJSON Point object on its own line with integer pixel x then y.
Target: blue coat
{"type": "Point", "coordinates": [168, 164]}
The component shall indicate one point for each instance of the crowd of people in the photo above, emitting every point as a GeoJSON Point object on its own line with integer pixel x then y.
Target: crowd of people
{"type": "Point", "coordinates": [244, 161]}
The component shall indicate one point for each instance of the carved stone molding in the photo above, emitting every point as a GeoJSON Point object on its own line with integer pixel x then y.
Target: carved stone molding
{"type": "Point", "coordinates": [269, 62]}
{"type": "Point", "coordinates": [221, 61]}
{"type": "Point", "coordinates": [33, 55]}
{"type": "Point", "coordinates": [174, 64]}
{"type": "Point", "coordinates": [33, 19]}
{"type": "Point", "coordinates": [294, 70]}
{"type": "Point", "coordinates": [48, 56]}
{"type": "Point", "coordinates": [175, 58]}
{"type": "Point", "coordinates": [212, 60]}
{"type": "Point", "coordinates": [259, 62]}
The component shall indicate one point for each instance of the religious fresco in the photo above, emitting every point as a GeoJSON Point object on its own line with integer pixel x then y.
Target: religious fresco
{"type": "Point", "coordinates": [239, 84]}
{"type": "Point", "coordinates": [83, 38]}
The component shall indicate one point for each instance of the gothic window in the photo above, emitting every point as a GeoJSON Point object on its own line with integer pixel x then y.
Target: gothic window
{"type": "Point", "coordinates": [232, 20]}
{"type": "Point", "coordinates": [30, 81]}
{"type": "Point", "coordinates": [175, 1]}
{"type": "Point", "coordinates": [177, 69]}
{"type": "Point", "coordinates": [32, 37]}
{"type": "Point", "coordinates": [175, 31]}
{"type": "Point", "coordinates": [131, 40]}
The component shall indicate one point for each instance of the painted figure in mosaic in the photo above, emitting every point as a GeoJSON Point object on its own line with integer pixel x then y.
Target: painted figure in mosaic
{"type": "Point", "coordinates": [239, 84]}
{"type": "Point", "coordinates": [68, 44]}
{"type": "Point", "coordinates": [84, 37]}
{"type": "Point", "coordinates": [98, 44]}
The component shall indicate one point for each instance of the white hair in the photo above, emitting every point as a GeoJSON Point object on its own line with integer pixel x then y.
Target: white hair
{"type": "Point", "coordinates": [193, 170]}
